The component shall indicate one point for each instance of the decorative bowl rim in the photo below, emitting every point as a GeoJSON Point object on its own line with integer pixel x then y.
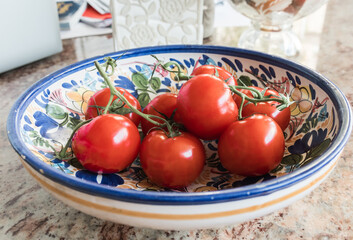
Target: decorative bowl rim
{"type": "Point", "coordinates": [188, 198]}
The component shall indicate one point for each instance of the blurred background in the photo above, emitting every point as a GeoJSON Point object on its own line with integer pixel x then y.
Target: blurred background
{"type": "Point", "coordinates": [45, 25]}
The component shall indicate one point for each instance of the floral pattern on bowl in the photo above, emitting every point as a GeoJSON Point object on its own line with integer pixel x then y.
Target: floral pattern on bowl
{"type": "Point", "coordinates": [54, 112]}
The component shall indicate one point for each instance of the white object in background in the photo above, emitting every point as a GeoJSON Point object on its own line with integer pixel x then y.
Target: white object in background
{"type": "Point", "coordinates": [138, 23]}
{"type": "Point", "coordinates": [30, 31]}
{"type": "Point", "coordinates": [226, 16]}
{"type": "Point", "coordinates": [84, 30]}
{"type": "Point", "coordinates": [208, 18]}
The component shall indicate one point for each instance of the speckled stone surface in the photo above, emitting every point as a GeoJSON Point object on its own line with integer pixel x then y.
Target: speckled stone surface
{"type": "Point", "coordinates": [29, 212]}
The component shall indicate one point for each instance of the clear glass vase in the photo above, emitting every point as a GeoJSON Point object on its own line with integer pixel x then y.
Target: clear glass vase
{"type": "Point", "coordinates": [272, 21]}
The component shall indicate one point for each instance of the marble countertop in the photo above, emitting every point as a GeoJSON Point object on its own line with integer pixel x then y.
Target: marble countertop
{"type": "Point", "coordinates": [29, 212]}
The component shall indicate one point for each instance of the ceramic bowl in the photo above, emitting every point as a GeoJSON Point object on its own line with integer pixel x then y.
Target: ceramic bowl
{"type": "Point", "coordinates": [43, 117]}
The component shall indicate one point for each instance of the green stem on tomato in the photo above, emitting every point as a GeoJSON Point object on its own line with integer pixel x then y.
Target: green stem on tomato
{"type": "Point", "coordinates": [109, 103]}
{"type": "Point", "coordinates": [62, 154]}
{"type": "Point", "coordinates": [240, 116]}
{"type": "Point", "coordinates": [283, 100]}
{"type": "Point", "coordinates": [259, 97]}
{"type": "Point", "coordinates": [148, 117]}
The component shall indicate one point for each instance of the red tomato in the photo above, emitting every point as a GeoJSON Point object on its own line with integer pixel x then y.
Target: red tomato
{"type": "Point", "coordinates": [251, 147]}
{"type": "Point", "coordinates": [267, 108]}
{"type": "Point", "coordinates": [163, 106]}
{"type": "Point", "coordinates": [101, 99]}
{"type": "Point", "coordinates": [223, 74]}
{"type": "Point", "coordinates": [107, 144]}
{"type": "Point", "coordinates": [206, 106]}
{"type": "Point", "coordinates": [172, 162]}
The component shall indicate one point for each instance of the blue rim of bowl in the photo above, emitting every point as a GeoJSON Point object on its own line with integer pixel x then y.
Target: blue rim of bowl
{"type": "Point", "coordinates": [181, 198]}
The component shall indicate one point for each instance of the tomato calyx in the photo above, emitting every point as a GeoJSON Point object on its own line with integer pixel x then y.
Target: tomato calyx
{"type": "Point", "coordinates": [172, 126]}
{"type": "Point", "coordinates": [172, 131]}
{"type": "Point", "coordinates": [259, 96]}
{"type": "Point", "coordinates": [118, 107]}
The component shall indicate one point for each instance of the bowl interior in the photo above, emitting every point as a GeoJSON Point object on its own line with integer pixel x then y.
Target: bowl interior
{"type": "Point", "coordinates": [46, 114]}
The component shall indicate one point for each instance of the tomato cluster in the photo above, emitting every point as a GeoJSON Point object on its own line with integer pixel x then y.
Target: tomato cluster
{"type": "Point", "coordinates": [171, 152]}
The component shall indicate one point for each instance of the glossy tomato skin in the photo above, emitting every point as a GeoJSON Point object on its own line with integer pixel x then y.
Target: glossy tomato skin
{"type": "Point", "coordinates": [101, 98]}
{"type": "Point", "coordinates": [107, 144]}
{"type": "Point", "coordinates": [267, 108]}
{"type": "Point", "coordinates": [172, 162]}
{"type": "Point", "coordinates": [216, 71]}
{"type": "Point", "coordinates": [252, 147]}
{"type": "Point", "coordinates": [206, 106]}
{"type": "Point", "coordinates": [164, 104]}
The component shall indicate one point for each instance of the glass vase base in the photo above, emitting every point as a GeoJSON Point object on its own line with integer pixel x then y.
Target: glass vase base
{"type": "Point", "coordinates": [280, 43]}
